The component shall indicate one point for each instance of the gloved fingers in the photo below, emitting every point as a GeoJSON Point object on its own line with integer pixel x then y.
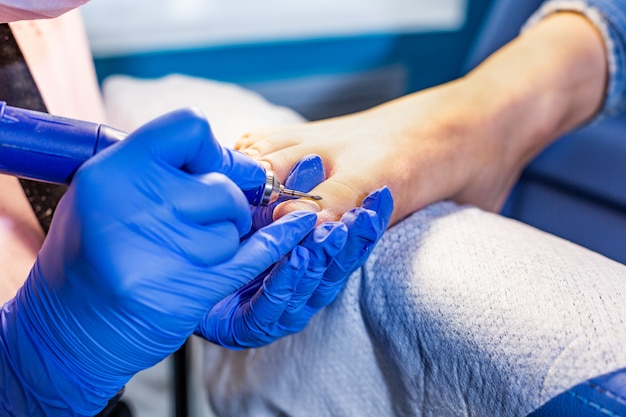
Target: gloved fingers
{"type": "Point", "coordinates": [273, 297]}
{"type": "Point", "coordinates": [362, 229]}
{"type": "Point", "coordinates": [243, 170]}
{"type": "Point", "coordinates": [323, 244]}
{"type": "Point", "coordinates": [380, 201]}
{"type": "Point", "coordinates": [264, 248]}
{"type": "Point", "coordinates": [246, 317]}
{"type": "Point", "coordinates": [210, 198]}
{"type": "Point", "coordinates": [183, 139]}
{"type": "Point", "coordinates": [366, 224]}
{"type": "Point", "coordinates": [280, 305]}
{"type": "Point", "coordinates": [365, 227]}
{"type": "Point", "coordinates": [223, 319]}
{"type": "Point", "coordinates": [305, 175]}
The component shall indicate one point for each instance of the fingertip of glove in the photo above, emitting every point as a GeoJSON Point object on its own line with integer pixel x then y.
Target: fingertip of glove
{"type": "Point", "coordinates": [361, 221]}
{"type": "Point", "coordinates": [334, 234]}
{"type": "Point", "coordinates": [380, 201]}
{"type": "Point", "coordinates": [378, 198]}
{"type": "Point", "coordinates": [307, 173]}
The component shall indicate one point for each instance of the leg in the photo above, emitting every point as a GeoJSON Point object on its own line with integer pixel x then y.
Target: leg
{"type": "Point", "coordinates": [457, 312]}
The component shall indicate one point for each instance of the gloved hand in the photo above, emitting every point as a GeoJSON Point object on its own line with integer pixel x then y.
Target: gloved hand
{"type": "Point", "coordinates": [145, 241]}
{"type": "Point", "coordinates": [277, 304]}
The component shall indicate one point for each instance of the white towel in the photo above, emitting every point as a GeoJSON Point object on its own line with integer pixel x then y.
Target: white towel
{"type": "Point", "coordinates": [457, 313]}
{"type": "Point", "coordinates": [230, 109]}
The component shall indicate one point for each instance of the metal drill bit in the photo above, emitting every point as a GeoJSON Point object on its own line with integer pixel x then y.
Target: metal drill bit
{"type": "Point", "coordinates": [298, 194]}
{"type": "Point", "coordinates": [272, 190]}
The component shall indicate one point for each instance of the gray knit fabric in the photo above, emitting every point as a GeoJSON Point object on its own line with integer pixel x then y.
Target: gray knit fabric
{"type": "Point", "coordinates": [457, 313]}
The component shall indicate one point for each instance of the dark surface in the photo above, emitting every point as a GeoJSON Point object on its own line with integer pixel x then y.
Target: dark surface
{"type": "Point", "coordinates": [18, 89]}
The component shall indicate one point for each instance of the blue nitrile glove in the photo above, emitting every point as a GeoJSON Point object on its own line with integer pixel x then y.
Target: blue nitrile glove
{"type": "Point", "coordinates": [250, 317]}
{"type": "Point", "coordinates": [275, 305]}
{"type": "Point", "coordinates": [145, 241]}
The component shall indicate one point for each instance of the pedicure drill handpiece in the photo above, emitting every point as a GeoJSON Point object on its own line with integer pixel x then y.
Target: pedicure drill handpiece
{"type": "Point", "coordinates": [48, 148]}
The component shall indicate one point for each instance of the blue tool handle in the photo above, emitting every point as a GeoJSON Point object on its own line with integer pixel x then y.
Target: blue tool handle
{"type": "Point", "coordinates": [48, 148]}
